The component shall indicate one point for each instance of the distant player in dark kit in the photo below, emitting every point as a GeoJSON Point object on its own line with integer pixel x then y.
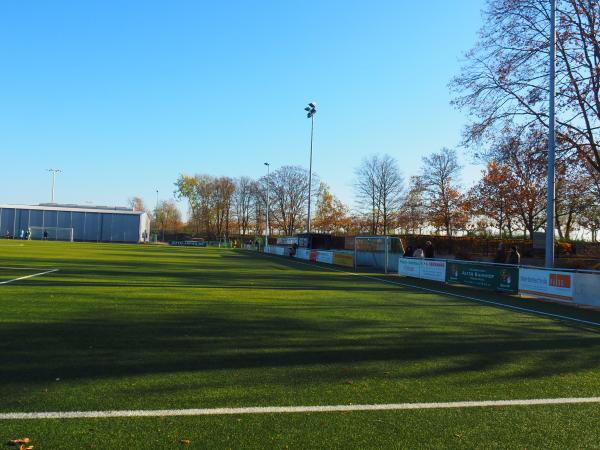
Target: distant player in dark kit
{"type": "Point", "coordinates": [45, 235]}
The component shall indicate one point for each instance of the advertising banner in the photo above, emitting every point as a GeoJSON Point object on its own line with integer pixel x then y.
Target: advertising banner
{"type": "Point", "coordinates": [498, 278]}
{"type": "Point", "coordinates": [425, 269]}
{"type": "Point", "coordinates": [409, 267]}
{"type": "Point", "coordinates": [343, 259]}
{"type": "Point", "coordinates": [303, 253]}
{"type": "Point", "coordinates": [433, 270]}
{"type": "Point", "coordinates": [587, 289]}
{"type": "Point", "coordinates": [550, 284]}
{"type": "Point", "coordinates": [188, 243]}
{"type": "Point", "coordinates": [325, 257]}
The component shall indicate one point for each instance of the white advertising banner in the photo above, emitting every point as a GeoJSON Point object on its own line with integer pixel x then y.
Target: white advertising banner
{"type": "Point", "coordinates": [409, 267]}
{"type": "Point", "coordinates": [587, 289]}
{"type": "Point", "coordinates": [303, 253]}
{"type": "Point", "coordinates": [550, 284]}
{"type": "Point", "coordinates": [325, 257]}
{"type": "Point", "coordinates": [426, 269]}
{"type": "Point", "coordinates": [434, 270]}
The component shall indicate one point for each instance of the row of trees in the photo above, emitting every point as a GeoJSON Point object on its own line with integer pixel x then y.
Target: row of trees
{"type": "Point", "coordinates": [508, 199]}
{"type": "Point", "coordinates": [220, 206]}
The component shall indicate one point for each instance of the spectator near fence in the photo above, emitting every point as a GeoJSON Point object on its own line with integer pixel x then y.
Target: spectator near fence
{"type": "Point", "coordinates": [500, 257]}
{"type": "Point", "coordinates": [429, 253]}
{"type": "Point", "coordinates": [514, 257]}
{"type": "Point", "coordinates": [418, 253]}
{"type": "Point", "coordinates": [409, 252]}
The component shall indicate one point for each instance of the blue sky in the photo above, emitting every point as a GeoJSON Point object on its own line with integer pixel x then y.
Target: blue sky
{"type": "Point", "coordinates": [124, 96]}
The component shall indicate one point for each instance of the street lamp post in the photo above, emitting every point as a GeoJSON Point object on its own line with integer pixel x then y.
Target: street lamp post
{"type": "Point", "coordinates": [549, 258]}
{"type": "Point", "coordinates": [268, 187]}
{"type": "Point", "coordinates": [54, 172]}
{"type": "Point", "coordinates": [311, 110]}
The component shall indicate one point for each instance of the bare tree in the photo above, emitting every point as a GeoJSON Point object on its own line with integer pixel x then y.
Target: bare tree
{"type": "Point", "coordinates": [505, 79]}
{"type": "Point", "coordinates": [167, 217]}
{"type": "Point", "coordinates": [379, 186]}
{"type": "Point", "coordinates": [365, 187]}
{"type": "Point", "coordinates": [573, 185]}
{"type": "Point", "coordinates": [136, 203]}
{"type": "Point", "coordinates": [445, 202]}
{"type": "Point", "coordinates": [413, 213]}
{"type": "Point", "coordinates": [289, 197]}
{"type": "Point", "coordinates": [242, 201]}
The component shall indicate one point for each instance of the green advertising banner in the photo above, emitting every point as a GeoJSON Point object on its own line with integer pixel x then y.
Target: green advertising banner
{"type": "Point", "coordinates": [498, 278]}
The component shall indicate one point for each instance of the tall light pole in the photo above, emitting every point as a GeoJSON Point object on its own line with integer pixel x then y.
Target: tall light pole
{"type": "Point", "coordinates": [156, 207]}
{"type": "Point", "coordinates": [549, 258]}
{"type": "Point", "coordinates": [311, 110]}
{"type": "Point", "coordinates": [54, 172]}
{"type": "Point", "coordinates": [268, 187]}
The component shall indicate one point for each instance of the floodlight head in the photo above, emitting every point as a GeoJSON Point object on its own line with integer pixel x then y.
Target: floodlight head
{"type": "Point", "coordinates": [312, 105]}
{"type": "Point", "coordinates": [267, 164]}
{"type": "Point", "coordinates": [307, 109]}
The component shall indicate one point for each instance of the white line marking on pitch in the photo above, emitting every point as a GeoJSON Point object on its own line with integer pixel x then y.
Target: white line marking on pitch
{"type": "Point", "coordinates": [451, 294]}
{"type": "Point", "coordinates": [29, 276]}
{"type": "Point", "coordinates": [291, 409]}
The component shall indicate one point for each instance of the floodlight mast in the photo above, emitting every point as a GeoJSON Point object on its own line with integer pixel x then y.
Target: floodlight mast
{"type": "Point", "coordinates": [550, 211]}
{"type": "Point", "coordinates": [268, 187]}
{"type": "Point", "coordinates": [311, 110]}
{"type": "Point", "coordinates": [54, 172]}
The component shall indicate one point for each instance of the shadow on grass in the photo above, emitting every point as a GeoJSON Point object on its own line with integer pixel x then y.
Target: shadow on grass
{"type": "Point", "coordinates": [250, 338]}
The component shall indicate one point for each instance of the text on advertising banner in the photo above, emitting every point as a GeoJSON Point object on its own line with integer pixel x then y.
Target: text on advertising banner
{"type": "Point", "coordinates": [433, 270]}
{"type": "Point", "coordinates": [550, 284]}
{"type": "Point", "coordinates": [499, 278]}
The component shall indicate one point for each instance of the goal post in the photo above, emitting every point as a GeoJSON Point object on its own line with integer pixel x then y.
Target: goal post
{"type": "Point", "coordinates": [377, 253]}
{"type": "Point", "coordinates": [53, 233]}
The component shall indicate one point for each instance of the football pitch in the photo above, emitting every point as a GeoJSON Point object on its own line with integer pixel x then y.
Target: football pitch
{"type": "Point", "coordinates": [143, 347]}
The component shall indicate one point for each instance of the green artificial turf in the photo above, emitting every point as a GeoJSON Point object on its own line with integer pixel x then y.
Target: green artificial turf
{"type": "Point", "coordinates": [153, 327]}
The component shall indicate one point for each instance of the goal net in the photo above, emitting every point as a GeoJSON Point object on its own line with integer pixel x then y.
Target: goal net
{"type": "Point", "coordinates": [53, 233]}
{"type": "Point", "coordinates": [377, 253]}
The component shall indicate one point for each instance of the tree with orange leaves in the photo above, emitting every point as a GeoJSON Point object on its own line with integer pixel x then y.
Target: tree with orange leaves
{"type": "Point", "coordinates": [331, 214]}
{"type": "Point", "coordinates": [494, 196]}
